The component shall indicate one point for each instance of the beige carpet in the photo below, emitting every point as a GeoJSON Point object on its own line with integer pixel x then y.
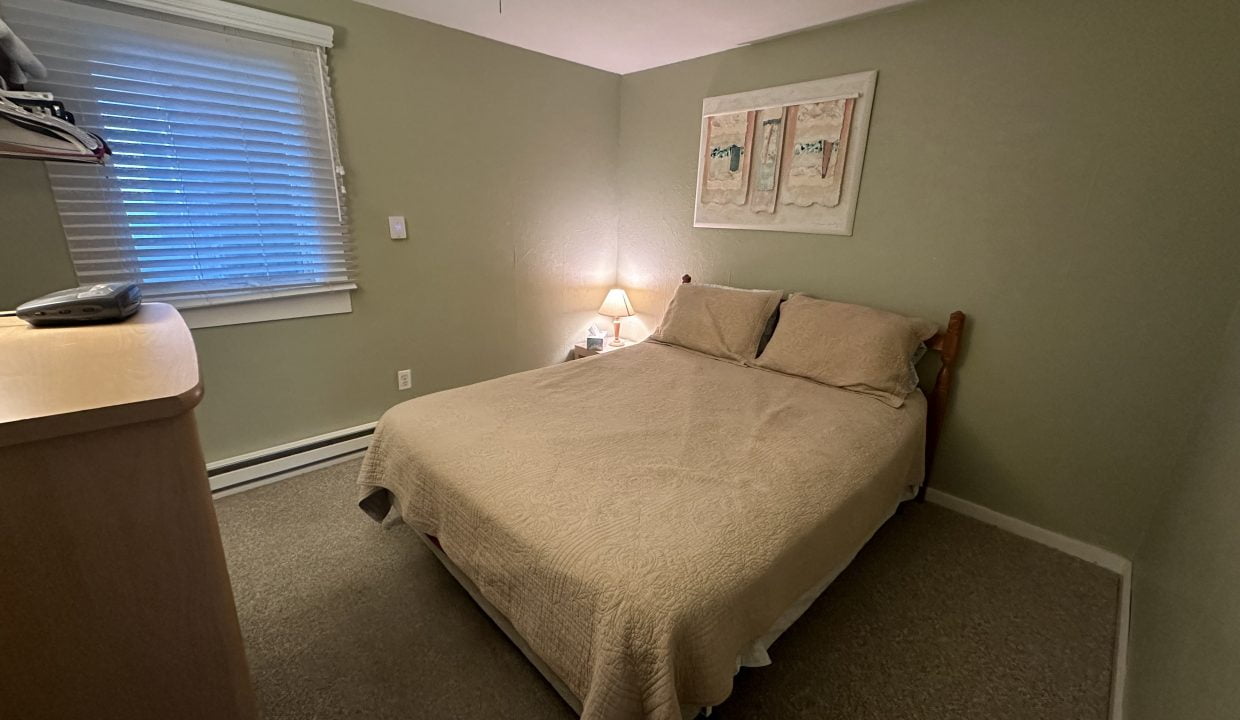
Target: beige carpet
{"type": "Point", "coordinates": [939, 617]}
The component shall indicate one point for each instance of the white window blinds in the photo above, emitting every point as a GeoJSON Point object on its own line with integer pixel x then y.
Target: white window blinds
{"type": "Point", "coordinates": [224, 184]}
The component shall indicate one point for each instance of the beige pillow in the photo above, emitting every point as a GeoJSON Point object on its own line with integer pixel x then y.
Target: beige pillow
{"type": "Point", "coordinates": [847, 346]}
{"type": "Point", "coordinates": [716, 320]}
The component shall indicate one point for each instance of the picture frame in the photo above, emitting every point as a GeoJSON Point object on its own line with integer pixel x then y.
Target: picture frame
{"type": "Point", "coordinates": [786, 158]}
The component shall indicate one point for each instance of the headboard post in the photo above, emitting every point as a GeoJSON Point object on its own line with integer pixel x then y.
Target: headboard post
{"type": "Point", "coordinates": [685, 279]}
{"type": "Point", "coordinates": [947, 344]}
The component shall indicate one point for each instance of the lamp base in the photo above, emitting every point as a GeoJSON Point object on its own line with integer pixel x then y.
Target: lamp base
{"type": "Point", "coordinates": [615, 334]}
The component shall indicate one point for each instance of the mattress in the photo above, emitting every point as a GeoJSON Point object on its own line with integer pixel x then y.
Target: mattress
{"type": "Point", "coordinates": [645, 517]}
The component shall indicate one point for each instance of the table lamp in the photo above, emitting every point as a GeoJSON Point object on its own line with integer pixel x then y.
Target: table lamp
{"type": "Point", "coordinates": [616, 305]}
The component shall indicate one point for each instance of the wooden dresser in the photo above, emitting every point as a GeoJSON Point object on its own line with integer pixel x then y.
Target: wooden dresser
{"type": "Point", "coordinates": [114, 596]}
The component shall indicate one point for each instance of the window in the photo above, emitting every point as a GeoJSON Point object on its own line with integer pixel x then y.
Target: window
{"type": "Point", "coordinates": [224, 185]}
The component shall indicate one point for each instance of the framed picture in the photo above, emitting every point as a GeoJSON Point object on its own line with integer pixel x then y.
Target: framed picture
{"type": "Point", "coordinates": [785, 158]}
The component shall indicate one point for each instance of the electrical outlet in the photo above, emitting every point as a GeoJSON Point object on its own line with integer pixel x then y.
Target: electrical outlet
{"type": "Point", "coordinates": [404, 379]}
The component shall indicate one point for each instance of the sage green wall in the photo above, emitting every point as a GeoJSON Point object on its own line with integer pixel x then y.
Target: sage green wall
{"type": "Point", "coordinates": [33, 257]}
{"type": "Point", "coordinates": [1063, 171]}
{"type": "Point", "coordinates": [502, 160]}
{"type": "Point", "coordinates": [1186, 577]}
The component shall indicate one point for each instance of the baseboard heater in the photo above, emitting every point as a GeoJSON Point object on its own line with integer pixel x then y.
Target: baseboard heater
{"type": "Point", "coordinates": [281, 461]}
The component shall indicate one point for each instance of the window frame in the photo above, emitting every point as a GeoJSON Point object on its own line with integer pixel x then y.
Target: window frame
{"type": "Point", "coordinates": [334, 300]}
{"type": "Point", "coordinates": [282, 304]}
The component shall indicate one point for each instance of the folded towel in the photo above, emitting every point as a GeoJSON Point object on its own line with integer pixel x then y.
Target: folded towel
{"type": "Point", "coordinates": [17, 64]}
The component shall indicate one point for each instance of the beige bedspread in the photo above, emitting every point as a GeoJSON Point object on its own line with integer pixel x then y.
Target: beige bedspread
{"type": "Point", "coordinates": [641, 517]}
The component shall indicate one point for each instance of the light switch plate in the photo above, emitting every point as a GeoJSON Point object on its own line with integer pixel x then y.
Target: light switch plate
{"type": "Point", "coordinates": [396, 227]}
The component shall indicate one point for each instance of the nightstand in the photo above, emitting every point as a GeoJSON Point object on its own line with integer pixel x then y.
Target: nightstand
{"type": "Point", "coordinates": [580, 351]}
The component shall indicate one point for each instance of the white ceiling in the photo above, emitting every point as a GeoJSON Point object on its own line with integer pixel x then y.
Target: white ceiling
{"type": "Point", "coordinates": [625, 36]}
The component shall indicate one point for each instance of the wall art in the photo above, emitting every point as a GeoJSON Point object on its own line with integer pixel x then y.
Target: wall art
{"type": "Point", "coordinates": [785, 158]}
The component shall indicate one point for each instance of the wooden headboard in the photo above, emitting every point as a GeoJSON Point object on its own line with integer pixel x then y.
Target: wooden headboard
{"type": "Point", "coordinates": [947, 344]}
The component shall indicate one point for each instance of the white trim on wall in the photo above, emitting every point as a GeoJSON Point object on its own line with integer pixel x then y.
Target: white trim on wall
{"type": "Point", "coordinates": [1119, 684]}
{"type": "Point", "coordinates": [262, 467]}
{"type": "Point", "coordinates": [1076, 548]}
{"type": "Point", "coordinates": [1101, 557]}
{"type": "Point", "coordinates": [234, 489]}
{"type": "Point", "coordinates": [321, 301]}
{"type": "Point", "coordinates": [241, 17]}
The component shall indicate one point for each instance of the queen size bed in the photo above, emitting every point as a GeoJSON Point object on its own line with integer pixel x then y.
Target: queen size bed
{"type": "Point", "coordinates": [643, 523]}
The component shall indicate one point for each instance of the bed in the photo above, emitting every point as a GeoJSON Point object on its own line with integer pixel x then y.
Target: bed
{"type": "Point", "coordinates": [644, 522]}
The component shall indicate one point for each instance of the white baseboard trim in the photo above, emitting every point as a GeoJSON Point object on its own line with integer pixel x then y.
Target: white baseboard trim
{"type": "Point", "coordinates": [1114, 562]}
{"type": "Point", "coordinates": [1119, 683]}
{"type": "Point", "coordinates": [234, 489]}
{"type": "Point", "coordinates": [1076, 548]}
{"type": "Point", "coordinates": [262, 467]}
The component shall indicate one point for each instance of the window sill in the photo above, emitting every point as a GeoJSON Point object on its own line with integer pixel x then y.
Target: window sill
{"type": "Point", "coordinates": [334, 302]}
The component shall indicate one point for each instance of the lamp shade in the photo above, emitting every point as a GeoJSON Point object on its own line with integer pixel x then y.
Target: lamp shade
{"type": "Point", "coordinates": [616, 304]}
